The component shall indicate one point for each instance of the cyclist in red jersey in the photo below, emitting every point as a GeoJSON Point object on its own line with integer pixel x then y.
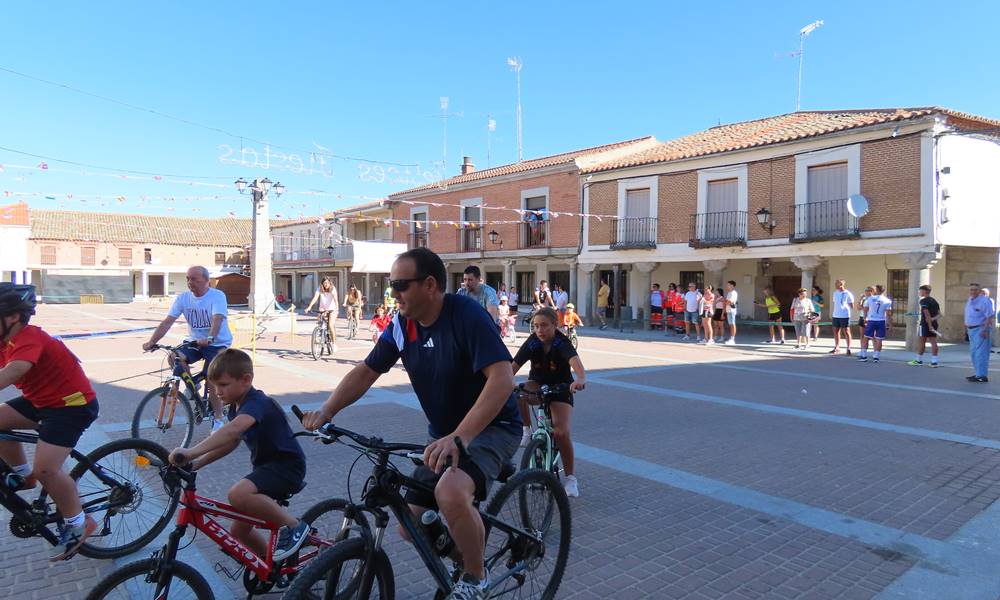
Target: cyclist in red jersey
{"type": "Point", "coordinates": [56, 399]}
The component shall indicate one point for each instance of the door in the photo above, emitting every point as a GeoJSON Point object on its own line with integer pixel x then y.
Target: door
{"type": "Point", "coordinates": [560, 277]}
{"type": "Point", "coordinates": [635, 228]}
{"type": "Point", "coordinates": [786, 288]}
{"type": "Point", "coordinates": [156, 285]}
{"type": "Point", "coordinates": [899, 291]}
{"type": "Point", "coordinates": [720, 220]}
{"type": "Point", "coordinates": [494, 279]}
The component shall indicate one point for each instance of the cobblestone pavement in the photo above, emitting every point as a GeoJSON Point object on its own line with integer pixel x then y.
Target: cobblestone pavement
{"type": "Point", "coordinates": [705, 473]}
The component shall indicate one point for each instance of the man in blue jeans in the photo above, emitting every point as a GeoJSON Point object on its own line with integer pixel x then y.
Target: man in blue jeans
{"type": "Point", "coordinates": [979, 315]}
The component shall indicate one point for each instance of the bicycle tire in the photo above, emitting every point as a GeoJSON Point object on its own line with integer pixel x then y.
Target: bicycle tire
{"type": "Point", "coordinates": [515, 489]}
{"type": "Point", "coordinates": [352, 328]}
{"type": "Point", "coordinates": [334, 505]}
{"type": "Point", "coordinates": [573, 339]}
{"type": "Point", "coordinates": [331, 561]}
{"type": "Point", "coordinates": [154, 432]}
{"type": "Point", "coordinates": [142, 568]}
{"type": "Point", "coordinates": [534, 457]}
{"type": "Point", "coordinates": [157, 456]}
{"type": "Point", "coordinates": [317, 342]}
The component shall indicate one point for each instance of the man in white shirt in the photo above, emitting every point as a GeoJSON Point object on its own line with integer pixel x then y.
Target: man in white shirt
{"type": "Point", "coordinates": [732, 303]}
{"type": "Point", "coordinates": [561, 298]}
{"type": "Point", "coordinates": [878, 312]}
{"type": "Point", "coordinates": [693, 307]}
{"type": "Point", "coordinates": [843, 302]}
{"type": "Point", "coordinates": [204, 309]}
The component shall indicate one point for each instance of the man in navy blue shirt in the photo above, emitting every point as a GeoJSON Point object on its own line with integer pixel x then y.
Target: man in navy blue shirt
{"type": "Point", "coordinates": [460, 370]}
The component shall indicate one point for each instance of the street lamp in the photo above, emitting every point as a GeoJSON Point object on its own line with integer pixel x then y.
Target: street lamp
{"type": "Point", "coordinates": [494, 236]}
{"type": "Point", "coordinates": [330, 249]}
{"type": "Point", "coordinates": [764, 219]}
{"type": "Point", "coordinates": [261, 290]}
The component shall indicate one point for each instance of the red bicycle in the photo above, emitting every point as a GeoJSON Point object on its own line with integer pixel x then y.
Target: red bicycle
{"type": "Point", "coordinates": [162, 576]}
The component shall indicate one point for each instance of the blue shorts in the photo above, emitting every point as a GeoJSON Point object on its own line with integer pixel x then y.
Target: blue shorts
{"type": "Point", "coordinates": [875, 329]}
{"type": "Point", "coordinates": [193, 355]}
{"type": "Point", "coordinates": [731, 317]}
{"type": "Point", "coordinates": [692, 317]}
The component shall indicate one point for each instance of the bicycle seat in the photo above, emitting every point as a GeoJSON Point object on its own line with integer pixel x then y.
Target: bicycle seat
{"type": "Point", "coordinates": [284, 501]}
{"type": "Point", "coordinates": [506, 472]}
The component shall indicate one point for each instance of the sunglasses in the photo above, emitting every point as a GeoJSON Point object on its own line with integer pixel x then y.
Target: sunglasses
{"type": "Point", "coordinates": [401, 285]}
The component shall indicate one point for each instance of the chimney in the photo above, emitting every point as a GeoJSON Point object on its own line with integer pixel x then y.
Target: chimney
{"type": "Point", "coordinates": [467, 166]}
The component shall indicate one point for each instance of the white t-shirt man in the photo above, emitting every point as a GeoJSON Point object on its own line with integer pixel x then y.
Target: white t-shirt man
{"type": "Point", "coordinates": [732, 297]}
{"type": "Point", "coordinates": [843, 302]}
{"type": "Point", "coordinates": [656, 298]}
{"type": "Point", "coordinates": [877, 305]}
{"type": "Point", "coordinates": [561, 299]}
{"type": "Point", "coordinates": [692, 301]}
{"type": "Point", "coordinates": [198, 312]}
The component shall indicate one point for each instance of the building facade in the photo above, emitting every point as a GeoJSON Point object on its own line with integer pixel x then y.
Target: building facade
{"type": "Point", "coordinates": [15, 229]}
{"type": "Point", "coordinates": [898, 197]}
{"type": "Point", "coordinates": [518, 223]}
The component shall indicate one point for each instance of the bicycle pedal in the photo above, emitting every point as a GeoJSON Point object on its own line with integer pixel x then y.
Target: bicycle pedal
{"type": "Point", "coordinates": [221, 568]}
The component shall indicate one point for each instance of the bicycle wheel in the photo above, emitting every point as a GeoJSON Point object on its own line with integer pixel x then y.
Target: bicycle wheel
{"type": "Point", "coordinates": [152, 420]}
{"type": "Point", "coordinates": [326, 518]}
{"type": "Point", "coordinates": [130, 582]}
{"type": "Point", "coordinates": [534, 457]}
{"type": "Point", "coordinates": [352, 328]}
{"type": "Point", "coordinates": [333, 575]}
{"type": "Point", "coordinates": [543, 565]}
{"type": "Point", "coordinates": [133, 510]}
{"type": "Point", "coordinates": [573, 339]}
{"type": "Point", "coordinates": [318, 342]}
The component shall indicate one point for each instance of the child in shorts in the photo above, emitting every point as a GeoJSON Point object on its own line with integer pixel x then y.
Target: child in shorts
{"type": "Point", "coordinates": [279, 466]}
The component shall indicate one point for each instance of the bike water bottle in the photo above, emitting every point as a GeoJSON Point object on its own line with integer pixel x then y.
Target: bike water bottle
{"type": "Point", "coordinates": [437, 532]}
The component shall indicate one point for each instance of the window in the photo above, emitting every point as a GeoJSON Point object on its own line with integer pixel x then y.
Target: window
{"type": "Point", "coordinates": [88, 255]}
{"type": "Point", "coordinates": [827, 183]}
{"type": "Point", "coordinates": [637, 203]}
{"type": "Point", "coordinates": [418, 229]}
{"type": "Point", "coordinates": [48, 255]}
{"type": "Point", "coordinates": [533, 234]}
{"type": "Point", "coordinates": [826, 208]}
{"type": "Point", "coordinates": [147, 255]}
{"type": "Point", "coordinates": [721, 205]}
{"type": "Point", "coordinates": [471, 231]}
{"type": "Point", "coordinates": [686, 277]}
{"type": "Point", "coordinates": [125, 257]}
{"type": "Point", "coordinates": [472, 214]}
{"type": "Point", "coordinates": [220, 258]}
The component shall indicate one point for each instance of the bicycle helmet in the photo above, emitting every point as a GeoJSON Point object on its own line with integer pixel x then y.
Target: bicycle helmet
{"type": "Point", "coordinates": [15, 298]}
{"type": "Point", "coordinates": [570, 305]}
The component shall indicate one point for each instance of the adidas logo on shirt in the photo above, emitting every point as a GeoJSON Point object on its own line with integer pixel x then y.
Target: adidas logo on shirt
{"type": "Point", "coordinates": [429, 343]}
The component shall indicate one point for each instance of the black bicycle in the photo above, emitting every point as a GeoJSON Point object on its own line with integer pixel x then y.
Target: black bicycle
{"type": "Point", "coordinates": [167, 415]}
{"type": "Point", "coordinates": [524, 561]}
{"type": "Point", "coordinates": [120, 488]}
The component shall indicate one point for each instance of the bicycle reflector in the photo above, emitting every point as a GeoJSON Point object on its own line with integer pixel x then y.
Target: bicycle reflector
{"type": "Point", "coordinates": [141, 461]}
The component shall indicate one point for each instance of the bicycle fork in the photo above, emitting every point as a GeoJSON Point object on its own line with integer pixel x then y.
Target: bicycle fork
{"type": "Point", "coordinates": [163, 573]}
{"type": "Point", "coordinates": [168, 404]}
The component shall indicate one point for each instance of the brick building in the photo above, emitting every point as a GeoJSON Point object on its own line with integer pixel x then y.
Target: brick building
{"type": "Point", "coordinates": [509, 220]}
{"type": "Point", "coordinates": [765, 202]}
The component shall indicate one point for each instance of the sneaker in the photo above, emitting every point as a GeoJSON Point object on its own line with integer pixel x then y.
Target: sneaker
{"type": "Point", "coordinates": [862, 359]}
{"type": "Point", "coordinates": [468, 588]}
{"type": "Point", "coordinates": [782, 342]}
{"type": "Point", "coordinates": [769, 342]}
{"type": "Point", "coordinates": [730, 342]}
{"type": "Point", "coordinates": [848, 351]}
{"type": "Point", "coordinates": [915, 362]}
{"type": "Point", "coordinates": [290, 540]}
{"type": "Point", "coordinates": [875, 359]}
{"type": "Point", "coordinates": [216, 425]}
{"type": "Point", "coordinates": [971, 378]}
{"type": "Point", "coordinates": [834, 351]}
{"type": "Point", "coordinates": [28, 483]}
{"type": "Point", "coordinates": [685, 338]}
{"type": "Point", "coordinates": [525, 438]}
{"type": "Point", "coordinates": [70, 539]}
{"type": "Point", "coordinates": [934, 365]}
{"type": "Point", "coordinates": [798, 347]}
{"type": "Point", "coordinates": [975, 379]}
{"type": "Point", "coordinates": [700, 340]}
{"type": "Point", "coordinates": [572, 487]}
{"type": "Point", "coordinates": [709, 342]}
{"type": "Point", "coordinates": [603, 327]}
{"type": "Point", "coordinates": [335, 349]}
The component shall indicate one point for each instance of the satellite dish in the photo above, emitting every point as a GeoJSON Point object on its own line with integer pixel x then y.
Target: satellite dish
{"type": "Point", "coordinates": [857, 205]}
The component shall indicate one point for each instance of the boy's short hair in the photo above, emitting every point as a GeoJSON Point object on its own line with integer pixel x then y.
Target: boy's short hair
{"type": "Point", "coordinates": [926, 288]}
{"type": "Point", "coordinates": [232, 362]}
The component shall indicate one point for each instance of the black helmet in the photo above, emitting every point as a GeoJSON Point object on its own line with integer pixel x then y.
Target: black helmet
{"type": "Point", "coordinates": [16, 298]}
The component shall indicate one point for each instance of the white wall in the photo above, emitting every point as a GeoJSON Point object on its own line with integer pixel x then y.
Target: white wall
{"type": "Point", "coordinates": [14, 248]}
{"type": "Point", "coordinates": [973, 185]}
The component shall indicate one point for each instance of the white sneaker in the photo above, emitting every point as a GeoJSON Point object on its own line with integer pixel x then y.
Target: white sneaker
{"type": "Point", "coordinates": [730, 342]}
{"type": "Point", "coordinates": [700, 340]}
{"type": "Point", "coordinates": [216, 425]}
{"type": "Point", "coordinates": [709, 342]}
{"type": "Point", "coordinates": [335, 349]}
{"type": "Point", "coordinates": [685, 338]}
{"type": "Point", "coordinates": [571, 487]}
{"type": "Point", "coordinates": [525, 438]}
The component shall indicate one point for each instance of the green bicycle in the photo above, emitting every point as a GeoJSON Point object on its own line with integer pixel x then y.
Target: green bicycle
{"type": "Point", "coordinates": [542, 452]}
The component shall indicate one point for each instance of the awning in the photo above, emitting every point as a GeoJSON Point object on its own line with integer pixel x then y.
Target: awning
{"type": "Point", "coordinates": [375, 257]}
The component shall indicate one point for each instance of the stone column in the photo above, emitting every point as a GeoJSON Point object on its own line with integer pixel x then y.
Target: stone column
{"type": "Point", "coordinates": [541, 272]}
{"type": "Point", "coordinates": [508, 274]}
{"type": "Point", "coordinates": [573, 282]}
{"type": "Point", "coordinates": [646, 278]}
{"type": "Point", "coordinates": [145, 285]}
{"type": "Point", "coordinates": [367, 293]}
{"type": "Point", "coordinates": [920, 264]}
{"type": "Point", "coordinates": [614, 301]}
{"type": "Point", "coordinates": [808, 266]}
{"type": "Point", "coordinates": [713, 271]}
{"type": "Point", "coordinates": [586, 298]}
{"type": "Point", "coordinates": [261, 292]}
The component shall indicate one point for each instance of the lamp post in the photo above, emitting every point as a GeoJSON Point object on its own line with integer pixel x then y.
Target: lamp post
{"type": "Point", "coordinates": [261, 298]}
{"type": "Point", "coordinates": [494, 236]}
{"type": "Point", "coordinates": [764, 219]}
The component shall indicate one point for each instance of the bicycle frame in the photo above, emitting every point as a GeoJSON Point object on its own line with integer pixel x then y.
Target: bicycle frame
{"type": "Point", "coordinates": [37, 513]}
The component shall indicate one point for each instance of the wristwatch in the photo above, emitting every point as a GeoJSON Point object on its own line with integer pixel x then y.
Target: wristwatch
{"type": "Point", "coordinates": [210, 339]}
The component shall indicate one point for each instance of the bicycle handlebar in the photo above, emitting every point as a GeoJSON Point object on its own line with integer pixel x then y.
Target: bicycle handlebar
{"type": "Point", "coordinates": [547, 390]}
{"type": "Point", "coordinates": [330, 432]}
{"type": "Point", "coordinates": [184, 344]}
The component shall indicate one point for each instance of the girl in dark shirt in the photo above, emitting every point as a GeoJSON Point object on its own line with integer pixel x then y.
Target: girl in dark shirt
{"type": "Point", "coordinates": [552, 358]}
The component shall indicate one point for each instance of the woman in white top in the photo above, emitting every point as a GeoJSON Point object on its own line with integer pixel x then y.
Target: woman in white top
{"type": "Point", "coordinates": [326, 295]}
{"type": "Point", "coordinates": [802, 310]}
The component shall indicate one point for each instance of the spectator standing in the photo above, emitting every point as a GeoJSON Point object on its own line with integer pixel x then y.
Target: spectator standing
{"type": "Point", "coordinates": [693, 306]}
{"type": "Point", "coordinates": [818, 304]}
{"type": "Point", "coordinates": [482, 293]}
{"type": "Point", "coordinates": [843, 302]}
{"type": "Point", "coordinates": [773, 306]}
{"type": "Point", "coordinates": [708, 314]}
{"type": "Point", "coordinates": [927, 326]}
{"type": "Point", "coordinates": [602, 302]}
{"type": "Point", "coordinates": [862, 303]}
{"type": "Point", "coordinates": [802, 309]}
{"type": "Point", "coordinates": [732, 304]}
{"type": "Point", "coordinates": [979, 316]}
{"type": "Point", "coordinates": [878, 312]}
{"type": "Point", "coordinates": [512, 299]}
{"type": "Point", "coordinates": [561, 298]}
{"type": "Point", "coordinates": [668, 307]}
{"type": "Point", "coordinates": [656, 301]}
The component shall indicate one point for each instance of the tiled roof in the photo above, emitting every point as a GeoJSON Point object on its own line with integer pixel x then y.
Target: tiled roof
{"type": "Point", "coordinates": [332, 214]}
{"type": "Point", "coordinates": [139, 229]}
{"type": "Point", "coordinates": [14, 214]}
{"type": "Point", "coordinates": [531, 164]}
{"type": "Point", "coordinates": [781, 128]}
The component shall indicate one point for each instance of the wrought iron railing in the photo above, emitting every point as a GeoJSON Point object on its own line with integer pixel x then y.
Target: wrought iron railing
{"type": "Point", "coordinates": [534, 234]}
{"type": "Point", "coordinates": [824, 220]}
{"type": "Point", "coordinates": [728, 228]}
{"type": "Point", "coordinates": [418, 240]}
{"type": "Point", "coordinates": [470, 239]}
{"type": "Point", "coordinates": [633, 232]}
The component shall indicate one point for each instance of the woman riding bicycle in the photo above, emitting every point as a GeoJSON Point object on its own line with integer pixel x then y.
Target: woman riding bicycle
{"type": "Point", "coordinates": [326, 294]}
{"type": "Point", "coordinates": [354, 303]}
{"type": "Point", "coordinates": [552, 357]}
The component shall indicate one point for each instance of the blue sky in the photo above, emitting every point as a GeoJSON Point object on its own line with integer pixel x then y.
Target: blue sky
{"type": "Point", "coordinates": [364, 80]}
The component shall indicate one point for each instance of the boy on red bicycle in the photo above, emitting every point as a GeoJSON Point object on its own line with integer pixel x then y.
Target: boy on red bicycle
{"type": "Point", "coordinates": [57, 400]}
{"type": "Point", "coordinates": [279, 466]}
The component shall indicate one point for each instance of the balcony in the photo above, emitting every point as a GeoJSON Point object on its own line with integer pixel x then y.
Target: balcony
{"type": "Point", "coordinates": [824, 221]}
{"type": "Point", "coordinates": [717, 229]}
{"type": "Point", "coordinates": [338, 252]}
{"type": "Point", "coordinates": [470, 239]}
{"type": "Point", "coordinates": [418, 240]}
{"type": "Point", "coordinates": [533, 234]}
{"type": "Point", "coordinates": [633, 233]}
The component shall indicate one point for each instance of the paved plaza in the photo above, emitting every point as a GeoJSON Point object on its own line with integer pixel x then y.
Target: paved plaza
{"type": "Point", "coordinates": [705, 472]}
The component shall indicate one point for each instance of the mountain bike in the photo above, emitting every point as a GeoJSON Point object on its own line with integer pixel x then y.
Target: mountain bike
{"type": "Point", "coordinates": [119, 487]}
{"type": "Point", "coordinates": [524, 560]}
{"type": "Point", "coordinates": [320, 342]}
{"type": "Point", "coordinates": [167, 415]}
{"type": "Point", "coordinates": [164, 574]}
